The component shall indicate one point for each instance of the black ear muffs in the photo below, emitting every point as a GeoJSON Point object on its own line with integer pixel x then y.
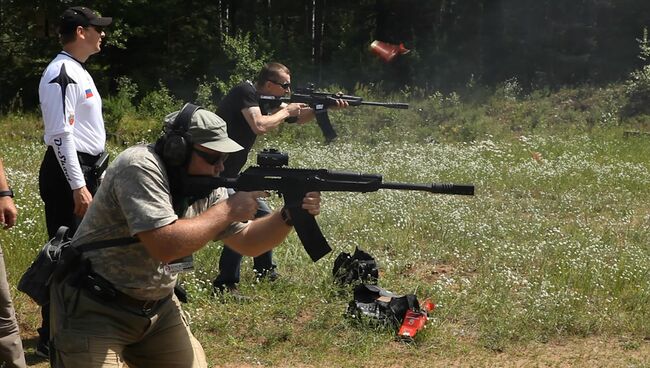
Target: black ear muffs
{"type": "Point", "coordinates": [177, 143]}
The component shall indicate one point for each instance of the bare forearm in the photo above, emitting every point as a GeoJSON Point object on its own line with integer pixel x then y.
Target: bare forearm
{"type": "Point", "coordinates": [8, 212]}
{"type": "Point", "coordinates": [261, 124]}
{"type": "Point", "coordinates": [266, 123]}
{"type": "Point", "coordinates": [3, 178]}
{"type": "Point", "coordinates": [186, 236]}
{"type": "Point", "coordinates": [262, 235]}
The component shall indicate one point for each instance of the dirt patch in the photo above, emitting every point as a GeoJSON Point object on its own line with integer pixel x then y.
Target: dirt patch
{"type": "Point", "coordinates": [588, 352]}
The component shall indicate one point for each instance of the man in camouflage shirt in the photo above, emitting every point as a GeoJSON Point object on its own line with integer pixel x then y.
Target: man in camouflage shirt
{"type": "Point", "coordinates": [123, 310]}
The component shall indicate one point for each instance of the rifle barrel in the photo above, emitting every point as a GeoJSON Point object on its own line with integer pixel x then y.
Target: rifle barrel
{"type": "Point", "coordinates": [443, 188]}
{"type": "Point", "coordinates": [390, 105]}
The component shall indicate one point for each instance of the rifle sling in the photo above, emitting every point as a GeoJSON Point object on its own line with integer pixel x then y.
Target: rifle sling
{"type": "Point", "coordinates": [101, 244]}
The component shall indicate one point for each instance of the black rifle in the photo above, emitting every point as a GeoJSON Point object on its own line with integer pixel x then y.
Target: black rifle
{"type": "Point", "coordinates": [293, 184]}
{"type": "Point", "coordinates": [320, 101]}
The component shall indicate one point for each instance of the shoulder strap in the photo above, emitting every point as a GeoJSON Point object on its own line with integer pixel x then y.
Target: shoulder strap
{"type": "Point", "coordinates": [61, 234]}
{"type": "Point", "coordinates": [106, 244]}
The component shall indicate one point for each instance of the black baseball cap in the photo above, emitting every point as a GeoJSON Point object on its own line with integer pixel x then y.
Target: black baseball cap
{"type": "Point", "coordinates": [81, 16]}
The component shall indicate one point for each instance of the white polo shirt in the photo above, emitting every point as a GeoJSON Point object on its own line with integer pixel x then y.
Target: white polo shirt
{"type": "Point", "coordinates": [72, 114]}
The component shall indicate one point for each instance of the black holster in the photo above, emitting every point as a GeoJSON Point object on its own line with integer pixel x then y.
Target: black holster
{"type": "Point", "coordinates": [84, 278]}
{"type": "Point", "coordinates": [93, 167]}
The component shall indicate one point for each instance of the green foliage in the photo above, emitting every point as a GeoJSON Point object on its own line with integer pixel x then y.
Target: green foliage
{"type": "Point", "coordinates": [246, 57]}
{"type": "Point", "coordinates": [117, 107]}
{"type": "Point", "coordinates": [638, 91]}
{"type": "Point", "coordinates": [434, 117]}
{"type": "Point", "coordinates": [205, 94]}
{"type": "Point", "coordinates": [644, 46]}
{"type": "Point", "coordinates": [118, 34]}
{"type": "Point", "coordinates": [452, 117]}
{"type": "Point", "coordinates": [136, 129]}
{"type": "Point", "coordinates": [637, 87]}
{"type": "Point", "coordinates": [510, 89]}
{"type": "Point", "coordinates": [158, 103]}
{"type": "Point", "coordinates": [453, 44]}
{"type": "Point", "coordinates": [126, 124]}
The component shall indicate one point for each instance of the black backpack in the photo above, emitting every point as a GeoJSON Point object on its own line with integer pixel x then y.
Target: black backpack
{"type": "Point", "coordinates": [55, 260]}
{"type": "Point", "coordinates": [359, 267]}
{"type": "Point", "coordinates": [377, 305]}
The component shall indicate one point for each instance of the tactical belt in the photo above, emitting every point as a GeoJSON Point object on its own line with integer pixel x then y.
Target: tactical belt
{"type": "Point", "coordinates": [101, 288]}
{"type": "Point", "coordinates": [87, 159]}
{"type": "Point", "coordinates": [144, 306]}
{"type": "Point", "coordinates": [91, 165]}
{"type": "Point", "coordinates": [84, 158]}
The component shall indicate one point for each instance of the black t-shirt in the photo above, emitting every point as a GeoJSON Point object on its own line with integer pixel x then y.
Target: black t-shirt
{"type": "Point", "coordinates": [240, 97]}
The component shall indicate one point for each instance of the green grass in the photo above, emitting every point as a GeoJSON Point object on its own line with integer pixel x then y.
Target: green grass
{"type": "Point", "coordinates": [554, 245]}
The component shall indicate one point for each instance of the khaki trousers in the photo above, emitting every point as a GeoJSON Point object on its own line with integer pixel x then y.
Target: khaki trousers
{"type": "Point", "coordinates": [11, 347]}
{"type": "Point", "coordinates": [87, 332]}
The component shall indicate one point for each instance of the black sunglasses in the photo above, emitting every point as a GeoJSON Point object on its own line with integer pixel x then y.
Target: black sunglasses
{"type": "Point", "coordinates": [212, 159]}
{"type": "Point", "coordinates": [283, 85]}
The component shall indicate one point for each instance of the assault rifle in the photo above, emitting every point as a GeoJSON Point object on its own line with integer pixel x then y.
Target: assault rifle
{"type": "Point", "coordinates": [320, 101]}
{"type": "Point", "coordinates": [293, 184]}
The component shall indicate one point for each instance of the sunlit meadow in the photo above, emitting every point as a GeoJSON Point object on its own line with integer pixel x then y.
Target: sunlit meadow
{"type": "Point", "coordinates": [554, 244]}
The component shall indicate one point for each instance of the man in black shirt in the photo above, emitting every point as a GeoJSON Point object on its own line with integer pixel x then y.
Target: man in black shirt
{"type": "Point", "coordinates": [246, 119]}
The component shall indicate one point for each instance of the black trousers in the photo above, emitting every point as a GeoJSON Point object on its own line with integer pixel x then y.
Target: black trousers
{"type": "Point", "coordinates": [59, 206]}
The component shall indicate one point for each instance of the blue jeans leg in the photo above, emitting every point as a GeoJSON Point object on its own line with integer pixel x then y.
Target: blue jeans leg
{"type": "Point", "coordinates": [264, 262]}
{"type": "Point", "coordinates": [229, 267]}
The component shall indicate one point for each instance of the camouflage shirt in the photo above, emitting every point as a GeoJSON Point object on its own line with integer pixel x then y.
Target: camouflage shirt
{"type": "Point", "coordinates": [135, 197]}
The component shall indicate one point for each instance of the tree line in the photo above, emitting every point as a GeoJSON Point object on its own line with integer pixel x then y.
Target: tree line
{"type": "Point", "coordinates": [453, 43]}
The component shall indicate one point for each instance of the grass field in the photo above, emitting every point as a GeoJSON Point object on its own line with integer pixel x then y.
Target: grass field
{"type": "Point", "coordinates": [547, 265]}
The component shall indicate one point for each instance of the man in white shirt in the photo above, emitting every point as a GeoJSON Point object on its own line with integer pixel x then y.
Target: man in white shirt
{"type": "Point", "coordinates": [74, 129]}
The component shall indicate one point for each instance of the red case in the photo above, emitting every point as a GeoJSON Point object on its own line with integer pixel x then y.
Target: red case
{"type": "Point", "coordinates": [414, 321]}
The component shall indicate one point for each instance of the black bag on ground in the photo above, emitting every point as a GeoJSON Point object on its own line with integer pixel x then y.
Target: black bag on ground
{"type": "Point", "coordinates": [359, 267]}
{"type": "Point", "coordinates": [55, 260]}
{"type": "Point", "coordinates": [377, 305]}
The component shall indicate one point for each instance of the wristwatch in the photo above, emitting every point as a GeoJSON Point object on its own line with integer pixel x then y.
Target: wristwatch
{"type": "Point", "coordinates": [7, 193]}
